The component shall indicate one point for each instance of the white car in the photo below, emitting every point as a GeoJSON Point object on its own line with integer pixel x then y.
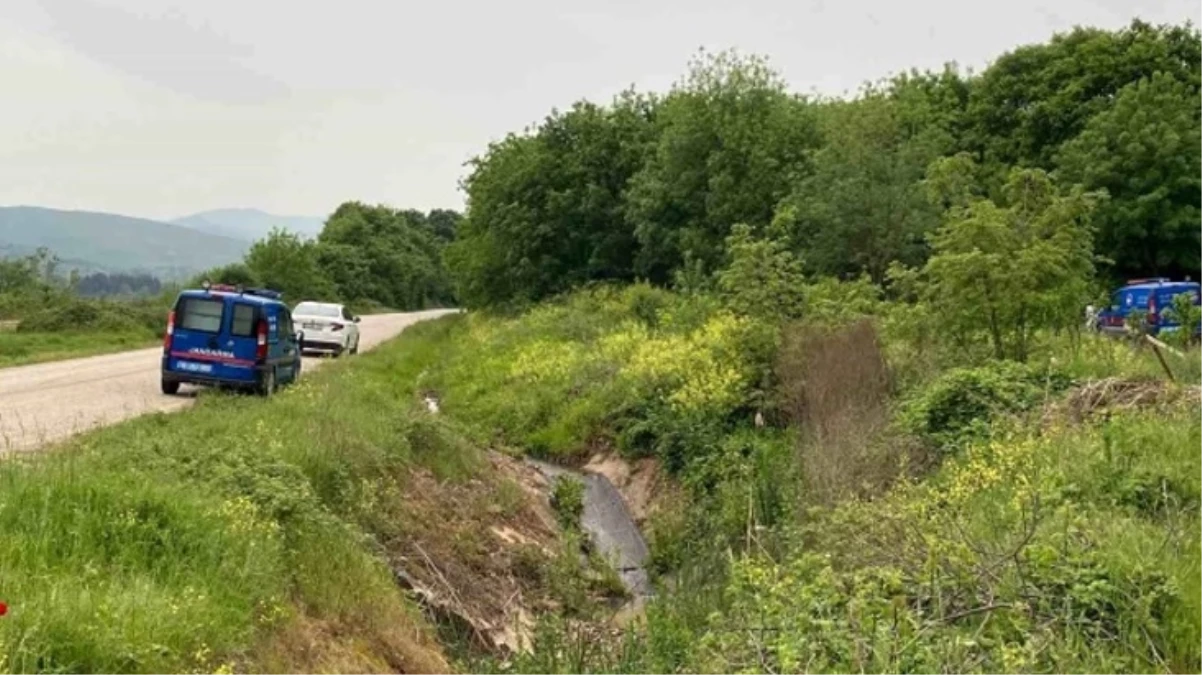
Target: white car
{"type": "Point", "coordinates": [326, 327]}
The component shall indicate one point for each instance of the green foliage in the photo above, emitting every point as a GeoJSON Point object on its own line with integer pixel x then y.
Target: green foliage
{"type": "Point", "coordinates": [285, 262]}
{"type": "Point", "coordinates": [1032, 100]}
{"type": "Point", "coordinates": [98, 316]}
{"type": "Point", "coordinates": [650, 187]}
{"type": "Point", "coordinates": [378, 253]}
{"type": "Point", "coordinates": [1005, 271]}
{"type": "Point", "coordinates": [1144, 152]}
{"type": "Point", "coordinates": [959, 406]}
{"type": "Point", "coordinates": [730, 142]}
{"type": "Point", "coordinates": [763, 278]}
{"type": "Point", "coordinates": [24, 347]}
{"type": "Point", "coordinates": [546, 209]}
{"type": "Point", "coordinates": [1186, 312]}
{"type": "Point", "coordinates": [567, 498]}
{"type": "Point", "coordinates": [233, 274]}
{"type": "Point", "coordinates": [831, 301]}
{"type": "Point", "coordinates": [863, 206]}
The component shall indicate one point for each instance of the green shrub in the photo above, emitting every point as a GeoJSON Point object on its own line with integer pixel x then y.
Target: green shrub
{"type": "Point", "coordinates": [567, 498]}
{"type": "Point", "coordinates": [88, 316]}
{"type": "Point", "coordinates": [959, 405]}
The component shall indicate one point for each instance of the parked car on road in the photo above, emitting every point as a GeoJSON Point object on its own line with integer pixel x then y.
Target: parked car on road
{"type": "Point", "coordinates": [228, 336]}
{"type": "Point", "coordinates": [327, 327]}
{"type": "Point", "coordinates": [1150, 297]}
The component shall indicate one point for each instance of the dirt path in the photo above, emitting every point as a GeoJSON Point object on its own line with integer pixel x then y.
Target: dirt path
{"type": "Point", "coordinates": [46, 402]}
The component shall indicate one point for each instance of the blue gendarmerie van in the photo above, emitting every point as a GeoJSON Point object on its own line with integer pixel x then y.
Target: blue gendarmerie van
{"type": "Point", "coordinates": [1152, 297]}
{"type": "Point", "coordinates": [227, 336]}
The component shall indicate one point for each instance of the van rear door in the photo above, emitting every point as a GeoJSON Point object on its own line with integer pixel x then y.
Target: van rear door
{"type": "Point", "coordinates": [244, 332]}
{"type": "Point", "coordinates": [201, 344]}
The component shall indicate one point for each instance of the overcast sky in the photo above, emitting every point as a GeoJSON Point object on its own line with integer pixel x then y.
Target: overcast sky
{"type": "Point", "coordinates": [160, 109]}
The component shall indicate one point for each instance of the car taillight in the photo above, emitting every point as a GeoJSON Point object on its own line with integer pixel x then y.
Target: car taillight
{"type": "Point", "coordinates": [170, 331]}
{"type": "Point", "coordinates": [261, 349]}
{"type": "Point", "coordinates": [336, 327]}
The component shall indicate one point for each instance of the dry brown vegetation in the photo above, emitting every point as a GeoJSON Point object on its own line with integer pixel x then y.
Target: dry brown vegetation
{"type": "Point", "coordinates": [1116, 394]}
{"type": "Point", "coordinates": [835, 386]}
{"type": "Point", "coordinates": [473, 551]}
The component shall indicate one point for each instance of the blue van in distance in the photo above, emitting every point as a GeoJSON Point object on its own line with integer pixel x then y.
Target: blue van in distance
{"type": "Point", "coordinates": [1150, 296]}
{"type": "Point", "coordinates": [230, 337]}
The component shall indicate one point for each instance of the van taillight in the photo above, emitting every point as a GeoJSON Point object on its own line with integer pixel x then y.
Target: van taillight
{"type": "Point", "coordinates": [1152, 318]}
{"type": "Point", "coordinates": [261, 350]}
{"type": "Point", "coordinates": [170, 331]}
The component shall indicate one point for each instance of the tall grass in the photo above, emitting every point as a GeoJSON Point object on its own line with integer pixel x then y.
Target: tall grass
{"type": "Point", "coordinates": [212, 538]}
{"type": "Point", "coordinates": [23, 348]}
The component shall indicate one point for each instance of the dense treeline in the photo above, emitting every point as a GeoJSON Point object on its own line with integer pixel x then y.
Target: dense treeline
{"type": "Point", "coordinates": [650, 186]}
{"type": "Point", "coordinates": [101, 284]}
{"type": "Point", "coordinates": [371, 256]}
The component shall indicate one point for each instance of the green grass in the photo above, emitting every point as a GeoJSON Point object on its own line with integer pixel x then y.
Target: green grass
{"type": "Point", "coordinates": [20, 348]}
{"type": "Point", "coordinates": [181, 542]}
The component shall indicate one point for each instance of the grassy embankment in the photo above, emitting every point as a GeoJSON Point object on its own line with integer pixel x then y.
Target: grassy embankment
{"type": "Point", "coordinates": [242, 534]}
{"type": "Point", "coordinates": [70, 328]}
{"type": "Point", "coordinates": [904, 508]}
{"type": "Point", "coordinates": [25, 348]}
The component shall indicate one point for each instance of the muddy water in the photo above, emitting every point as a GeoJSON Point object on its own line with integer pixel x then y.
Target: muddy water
{"type": "Point", "coordinates": [609, 524]}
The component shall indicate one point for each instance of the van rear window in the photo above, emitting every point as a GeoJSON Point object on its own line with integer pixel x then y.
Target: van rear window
{"type": "Point", "coordinates": [201, 314]}
{"type": "Point", "coordinates": [243, 324]}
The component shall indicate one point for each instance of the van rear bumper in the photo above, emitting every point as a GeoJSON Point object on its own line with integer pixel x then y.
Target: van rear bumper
{"type": "Point", "coordinates": [184, 377]}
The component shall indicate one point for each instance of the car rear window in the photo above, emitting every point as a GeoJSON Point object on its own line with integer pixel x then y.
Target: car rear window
{"type": "Point", "coordinates": [201, 314]}
{"type": "Point", "coordinates": [316, 309]}
{"type": "Point", "coordinates": [243, 324]}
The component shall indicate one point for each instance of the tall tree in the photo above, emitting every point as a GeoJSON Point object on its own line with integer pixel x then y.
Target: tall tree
{"type": "Point", "coordinates": [863, 206]}
{"type": "Point", "coordinates": [1035, 98]}
{"type": "Point", "coordinates": [285, 262]}
{"type": "Point", "coordinates": [732, 142]}
{"type": "Point", "coordinates": [1145, 152]}
{"type": "Point", "coordinates": [1005, 270]}
{"type": "Point", "coordinates": [545, 209]}
{"type": "Point", "coordinates": [380, 254]}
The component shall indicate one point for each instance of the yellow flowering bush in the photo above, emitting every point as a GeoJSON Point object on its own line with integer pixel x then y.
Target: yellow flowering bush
{"type": "Point", "coordinates": [696, 371]}
{"type": "Point", "coordinates": [544, 360]}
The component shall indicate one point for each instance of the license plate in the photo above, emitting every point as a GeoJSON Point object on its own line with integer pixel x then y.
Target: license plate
{"type": "Point", "coordinates": [312, 326]}
{"type": "Point", "coordinates": [193, 367]}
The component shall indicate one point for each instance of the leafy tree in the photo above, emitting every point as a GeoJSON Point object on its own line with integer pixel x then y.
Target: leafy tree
{"type": "Point", "coordinates": [100, 284]}
{"type": "Point", "coordinates": [1144, 151]}
{"type": "Point", "coordinates": [285, 262]}
{"type": "Point", "coordinates": [1187, 312]}
{"type": "Point", "coordinates": [864, 207]}
{"type": "Point", "coordinates": [443, 223]}
{"type": "Point", "coordinates": [1007, 270]}
{"type": "Point", "coordinates": [545, 209]}
{"type": "Point", "coordinates": [378, 253]}
{"type": "Point", "coordinates": [1037, 97]}
{"type": "Point", "coordinates": [763, 278]}
{"type": "Point", "coordinates": [731, 144]}
{"type": "Point", "coordinates": [234, 274]}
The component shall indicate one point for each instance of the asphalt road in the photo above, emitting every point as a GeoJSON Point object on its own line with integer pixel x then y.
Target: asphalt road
{"type": "Point", "coordinates": [46, 402]}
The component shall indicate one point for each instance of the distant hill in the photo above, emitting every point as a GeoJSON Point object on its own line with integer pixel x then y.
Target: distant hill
{"type": "Point", "coordinates": [108, 242]}
{"type": "Point", "coordinates": [248, 224]}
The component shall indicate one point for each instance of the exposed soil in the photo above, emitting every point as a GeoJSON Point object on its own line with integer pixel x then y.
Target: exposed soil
{"type": "Point", "coordinates": [473, 551]}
